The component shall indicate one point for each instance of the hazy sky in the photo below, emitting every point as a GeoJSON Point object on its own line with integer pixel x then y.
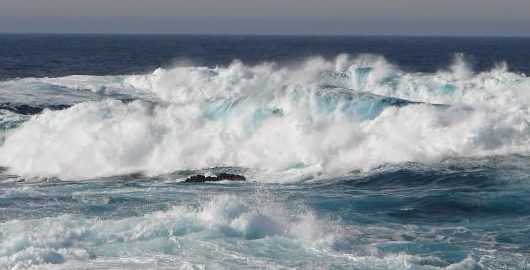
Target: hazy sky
{"type": "Point", "coordinates": [357, 17]}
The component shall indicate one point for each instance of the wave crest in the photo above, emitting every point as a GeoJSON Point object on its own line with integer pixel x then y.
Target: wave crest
{"type": "Point", "coordinates": [319, 117]}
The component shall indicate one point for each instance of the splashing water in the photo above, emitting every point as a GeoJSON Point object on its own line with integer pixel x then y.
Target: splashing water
{"type": "Point", "coordinates": [351, 163]}
{"type": "Point", "coordinates": [319, 118]}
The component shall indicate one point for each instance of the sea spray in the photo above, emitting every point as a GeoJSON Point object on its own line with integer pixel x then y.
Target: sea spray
{"type": "Point", "coordinates": [275, 119]}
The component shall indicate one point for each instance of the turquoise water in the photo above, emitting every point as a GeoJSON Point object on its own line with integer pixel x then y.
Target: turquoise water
{"type": "Point", "coordinates": [460, 214]}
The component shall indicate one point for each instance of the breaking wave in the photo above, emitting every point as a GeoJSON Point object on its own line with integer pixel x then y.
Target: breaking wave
{"type": "Point", "coordinates": [68, 238]}
{"type": "Point", "coordinates": [317, 118]}
{"type": "Point", "coordinates": [238, 231]}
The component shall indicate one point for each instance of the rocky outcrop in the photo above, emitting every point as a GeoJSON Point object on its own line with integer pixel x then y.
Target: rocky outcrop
{"type": "Point", "coordinates": [199, 178]}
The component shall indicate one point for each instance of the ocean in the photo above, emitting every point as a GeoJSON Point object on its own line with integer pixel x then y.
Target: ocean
{"type": "Point", "coordinates": [358, 152]}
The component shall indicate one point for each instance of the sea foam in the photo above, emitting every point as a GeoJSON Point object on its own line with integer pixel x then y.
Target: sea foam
{"type": "Point", "coordinates": [319, 118]}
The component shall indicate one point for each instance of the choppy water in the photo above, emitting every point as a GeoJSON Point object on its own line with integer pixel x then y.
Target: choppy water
{"type": "Point", "coordinates": [353, 160]}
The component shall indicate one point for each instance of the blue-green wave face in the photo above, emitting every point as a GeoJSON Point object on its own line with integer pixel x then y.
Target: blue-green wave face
{"type": "Point", "coordinates": [357, 104]}
{"type": "Point", "coordinates": [9, 120]}
{"type": "Point", "coordinates": [325, 99]}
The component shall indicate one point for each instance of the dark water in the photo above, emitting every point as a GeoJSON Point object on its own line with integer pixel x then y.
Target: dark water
{"type": "Point", "coordinates": [61, 55]}
{"type": "Point", "coordinates": [401, 153]}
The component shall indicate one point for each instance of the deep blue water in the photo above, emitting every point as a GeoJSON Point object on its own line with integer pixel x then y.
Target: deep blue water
{"type": "Point", "coordinates": [359, 152]}
{"type": "Point", "coordinates": [25, 55]}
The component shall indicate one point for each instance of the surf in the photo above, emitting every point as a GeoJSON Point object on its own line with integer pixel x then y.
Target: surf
{"type": "Point", "coordinates": [318, 118]}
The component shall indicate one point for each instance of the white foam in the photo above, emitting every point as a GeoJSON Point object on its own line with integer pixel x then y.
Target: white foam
{"type": "Point", "coordinates": [67, 238]}
{"type": "Point", "coordinates": [275, 120]}
{"type": "Point", "coordinates": [252, 232]}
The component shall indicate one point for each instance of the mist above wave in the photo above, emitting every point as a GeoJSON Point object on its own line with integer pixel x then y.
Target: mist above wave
{"type": "Point", "coordinates": [317, 117]}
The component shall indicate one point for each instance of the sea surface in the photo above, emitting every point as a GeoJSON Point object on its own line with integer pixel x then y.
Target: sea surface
{"type": "Point", "coordinates": [359, 152]}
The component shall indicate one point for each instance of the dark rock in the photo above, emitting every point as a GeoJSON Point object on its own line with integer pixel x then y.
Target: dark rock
{"type": "Point", "coordinates": [32, 109]}
{"type": "Point", "coordinates": [199, 178]}
{"type": "Point", "coordinates": [26, 109]}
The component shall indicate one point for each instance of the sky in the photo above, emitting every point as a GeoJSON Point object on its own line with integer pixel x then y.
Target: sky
{"type": "Point", "coordinates": [290, 17]}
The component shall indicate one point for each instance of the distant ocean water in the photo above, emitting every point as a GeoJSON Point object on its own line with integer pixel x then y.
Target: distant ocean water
{"type": "Point", "coordinates": [359, 152]}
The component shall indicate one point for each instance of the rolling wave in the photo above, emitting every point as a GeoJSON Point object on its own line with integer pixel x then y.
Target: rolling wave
{"type": "Point", "coordinates": [318, 118]}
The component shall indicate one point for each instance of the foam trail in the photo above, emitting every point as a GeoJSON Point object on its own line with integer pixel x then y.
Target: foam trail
{"type": "Point", "coordinates": [278, 119]}
{"type": "Point", "coordinates": [257, 233]}
{"type": "Point", "coordinates": [69, 238]}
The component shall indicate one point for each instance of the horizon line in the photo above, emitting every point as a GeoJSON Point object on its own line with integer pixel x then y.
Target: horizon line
{"type": "Point", "coordinates": [263, 34]}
